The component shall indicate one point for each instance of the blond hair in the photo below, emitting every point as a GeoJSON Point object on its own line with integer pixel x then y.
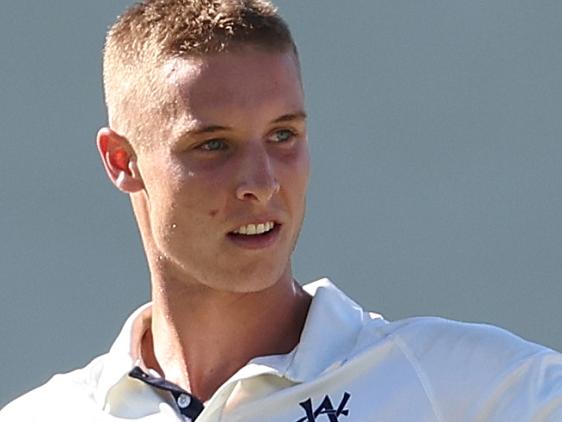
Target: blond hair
{"type": "Point", "coordinates": [153, 31]}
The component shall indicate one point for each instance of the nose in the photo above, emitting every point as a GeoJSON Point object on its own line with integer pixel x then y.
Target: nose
{"type": "Point", "coordinates": [257, 181]}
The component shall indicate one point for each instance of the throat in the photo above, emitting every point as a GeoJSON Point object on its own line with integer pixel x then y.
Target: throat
{"type": "Point", "coordinates": [200, 351]}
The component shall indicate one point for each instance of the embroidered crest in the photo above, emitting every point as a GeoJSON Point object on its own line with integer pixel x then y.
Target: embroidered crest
{"type": "Point", "coordinates": [325, 408]}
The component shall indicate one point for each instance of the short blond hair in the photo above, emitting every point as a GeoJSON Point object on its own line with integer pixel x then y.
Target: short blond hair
{"type": "Point", "coordinates": [151, 32]}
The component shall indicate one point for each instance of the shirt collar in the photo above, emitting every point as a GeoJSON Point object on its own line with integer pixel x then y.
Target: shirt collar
{"type": "Point", "coordinates": [124, 354]}
{"type": "Point", "coordinates": [329, 335]}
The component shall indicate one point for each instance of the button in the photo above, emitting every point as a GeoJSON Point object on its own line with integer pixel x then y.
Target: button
{"type": "Point", "coordinates": [184, 401]}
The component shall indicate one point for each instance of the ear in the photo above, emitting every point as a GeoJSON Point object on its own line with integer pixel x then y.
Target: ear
{"type": "Point", "coordinates": [119, 161]}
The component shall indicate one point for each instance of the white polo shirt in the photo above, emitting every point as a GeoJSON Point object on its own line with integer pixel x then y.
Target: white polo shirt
{"type": "Point", "coordinates": [350, 366]}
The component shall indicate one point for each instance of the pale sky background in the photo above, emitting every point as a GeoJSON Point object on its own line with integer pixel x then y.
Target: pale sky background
{"type": "Point", "coordinates": [435, 129]}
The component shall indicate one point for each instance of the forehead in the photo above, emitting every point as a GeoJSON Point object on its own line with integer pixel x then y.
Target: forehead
{"type": "Point", "coordinates": [233, 85]}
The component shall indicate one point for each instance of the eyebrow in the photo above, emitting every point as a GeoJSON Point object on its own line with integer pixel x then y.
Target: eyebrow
{"type": "Point", "coordinates": [298, 116]}
{"type": "Point", "coordinates": [301, 115]}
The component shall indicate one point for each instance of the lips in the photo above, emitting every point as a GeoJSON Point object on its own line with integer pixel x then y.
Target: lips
{"type": "Point", "coordinates": [255, 235]}
{"type": "Point", "coordinates": [255, 229]}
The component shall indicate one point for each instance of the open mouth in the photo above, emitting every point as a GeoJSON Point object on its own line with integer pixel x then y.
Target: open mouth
{"type": "Point", "coordinates": [255, 229]}
{"type": "Point", "coordinates": [255, 236]}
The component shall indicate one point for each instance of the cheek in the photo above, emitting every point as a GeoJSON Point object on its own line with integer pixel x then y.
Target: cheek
{"type": "Point", "coordinates": [194, 196]}
{"type": "Point", "coordinates": [305, 163]}
{"type": "Point", "coordinates": [296, 171]}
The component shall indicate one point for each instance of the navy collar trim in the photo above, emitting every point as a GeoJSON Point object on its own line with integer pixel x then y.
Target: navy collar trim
{"type": "Point", "coordinates": [187, 404]}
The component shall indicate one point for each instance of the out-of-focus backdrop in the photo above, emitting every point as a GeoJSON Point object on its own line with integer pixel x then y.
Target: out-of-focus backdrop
{"type": "Point", "coordinates": [435, 130]}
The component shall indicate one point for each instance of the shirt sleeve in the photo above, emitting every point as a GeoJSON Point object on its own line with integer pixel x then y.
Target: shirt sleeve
{"type": "Point", "coordinates": [479, 372]}
{"type": "Point", "coordinates": [22, 409]}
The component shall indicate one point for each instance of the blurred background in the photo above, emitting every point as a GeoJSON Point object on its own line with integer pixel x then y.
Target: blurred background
{"type": "Point", "coordinates": [435, 130]}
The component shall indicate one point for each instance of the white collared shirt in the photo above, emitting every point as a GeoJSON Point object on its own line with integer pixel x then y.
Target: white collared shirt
{"type": "Point", "coordinates": [349, 366]}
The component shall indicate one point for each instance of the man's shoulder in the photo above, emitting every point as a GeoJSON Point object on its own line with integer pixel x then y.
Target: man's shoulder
{"type": "Point", "coordinates": [426, 335]}
{"type": "Point", "coordinates": [475, 369]}
{"type": "Point", "coordinates": [431, 339]}
{"type": "Point", "coordinates": [59, 397]}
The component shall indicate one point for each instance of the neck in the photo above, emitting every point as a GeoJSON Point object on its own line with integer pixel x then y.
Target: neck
{"type": "Point", "coordinates": [200, 337]}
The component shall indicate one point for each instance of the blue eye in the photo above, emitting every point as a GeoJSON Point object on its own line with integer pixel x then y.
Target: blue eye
{"type": "Point", "coordinates": [213, 145]}
{"type": "Point", "coordinates": [283, 135]}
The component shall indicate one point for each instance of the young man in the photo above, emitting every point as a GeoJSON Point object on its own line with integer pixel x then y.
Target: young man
{"type": "Point", "coordinates": [207, 135]}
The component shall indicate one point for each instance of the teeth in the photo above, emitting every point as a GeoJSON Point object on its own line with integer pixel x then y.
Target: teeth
{"type": "Point", "coordinates": [252, 229]}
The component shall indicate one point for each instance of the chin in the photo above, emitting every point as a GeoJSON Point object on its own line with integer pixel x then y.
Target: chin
{"type": "Point", "coordinates": [250, 282]}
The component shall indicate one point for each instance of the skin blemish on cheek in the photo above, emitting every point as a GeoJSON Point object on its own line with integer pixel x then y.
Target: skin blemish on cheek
{"type": "Point", "coordinates": [213, 213]}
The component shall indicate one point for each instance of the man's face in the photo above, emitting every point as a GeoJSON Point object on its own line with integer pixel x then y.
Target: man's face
{"type": "Point", "coordinates": [231, 161]}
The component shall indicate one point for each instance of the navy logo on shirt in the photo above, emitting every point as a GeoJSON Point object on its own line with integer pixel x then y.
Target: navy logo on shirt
{"type": "Point", "coordinates": [325, 408]}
